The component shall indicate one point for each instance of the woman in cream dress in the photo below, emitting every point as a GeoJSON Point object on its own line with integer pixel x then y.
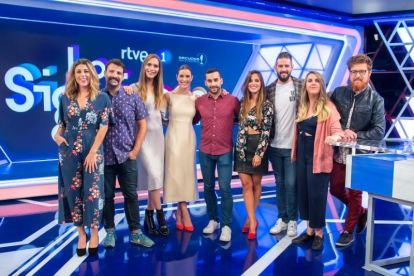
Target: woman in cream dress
{"type": "Point", "coordinates": [180, 183]}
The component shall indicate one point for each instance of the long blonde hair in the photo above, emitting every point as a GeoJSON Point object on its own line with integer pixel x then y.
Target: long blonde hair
{"type": "Point", "coordinates": [321, 108]}
{"type": "Point", "coordinates": [71, 87]}
{"type": "Point", "coordinates": [261, 98]}
{"type": "Point", "coordinates": [158, 83]}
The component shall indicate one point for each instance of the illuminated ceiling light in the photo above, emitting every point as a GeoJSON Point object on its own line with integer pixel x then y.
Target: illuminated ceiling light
{"type": "Point", "coordinates": [330, 32]}
{"type": "Point", "coordinates": [188, 15]}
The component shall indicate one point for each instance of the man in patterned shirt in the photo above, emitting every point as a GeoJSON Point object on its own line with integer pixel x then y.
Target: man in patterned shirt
{"type": "Point", "coordinates": [217, 113]}
{"type": "Point", "coordinates": [121, 146]}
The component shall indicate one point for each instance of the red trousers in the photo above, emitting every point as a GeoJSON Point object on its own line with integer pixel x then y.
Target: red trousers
{"type": "Point", "coordinates": [350, 197]}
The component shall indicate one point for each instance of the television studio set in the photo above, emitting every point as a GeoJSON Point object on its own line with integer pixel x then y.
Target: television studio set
{"type": "Point", "coordinates": [206, 137]}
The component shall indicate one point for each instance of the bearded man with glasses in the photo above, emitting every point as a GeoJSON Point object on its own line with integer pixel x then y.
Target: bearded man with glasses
{"type": "Point", "coordinates": [362, 117]}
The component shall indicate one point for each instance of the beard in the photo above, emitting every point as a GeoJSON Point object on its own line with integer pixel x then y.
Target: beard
{"type": "Point", "coordinates": [358, 86]}
{"type": "Point", "coordinates": [218, 90]}
{"type": "Point", "coordinates": [283, 79]}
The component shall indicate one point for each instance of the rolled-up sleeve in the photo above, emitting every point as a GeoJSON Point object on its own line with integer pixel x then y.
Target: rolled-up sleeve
{"type": "Point", "coordinates": [141, 111]}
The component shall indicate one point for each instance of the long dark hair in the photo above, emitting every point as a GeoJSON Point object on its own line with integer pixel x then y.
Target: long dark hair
{"type": "Point", "coordinates": [247, 96]}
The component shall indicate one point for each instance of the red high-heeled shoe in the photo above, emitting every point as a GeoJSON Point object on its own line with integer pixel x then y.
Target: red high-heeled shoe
{"type": "Point", "coordinates": [179, 226]}
{"type": "Point", "coordinates": [251, 236]}
{"type": "Point", "coordinates": [189, 228]}
{"type": "Point", "coordinates": [245, 229]}
{"type": "Point", "coordinates": [182, 226]}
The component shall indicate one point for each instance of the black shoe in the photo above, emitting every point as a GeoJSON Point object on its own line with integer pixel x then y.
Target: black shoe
{"type": "Point", "coordinates": [149, 224]}
{"type": "Point", "coordinates": [345, 239]}
{"type": "Point", "coordinates": [303, 238]}
{"type": "Point", "coordinates": [82, 251]}
{"type": "Point", "coordinates": [362, 222]}
{"type": "Point", "coordinates": [317, 243]}
{"type": "Point", "coordinates": [162, 225]}
{"type": "Point", "coordinates": [92, 251]}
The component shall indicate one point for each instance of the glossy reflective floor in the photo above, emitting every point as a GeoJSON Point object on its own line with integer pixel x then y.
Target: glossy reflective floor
{"type": "Point", "coordinates": [31, 243]}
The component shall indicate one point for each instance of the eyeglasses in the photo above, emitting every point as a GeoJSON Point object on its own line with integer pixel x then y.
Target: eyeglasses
{"type": "Point", "coordinates": [356, 72]}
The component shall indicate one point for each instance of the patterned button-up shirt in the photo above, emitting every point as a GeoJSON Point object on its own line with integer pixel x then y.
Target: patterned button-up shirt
{"type": "Point", "coordinates": [120, 138]}
{"type": "Point", "coordinates": [217, 120]}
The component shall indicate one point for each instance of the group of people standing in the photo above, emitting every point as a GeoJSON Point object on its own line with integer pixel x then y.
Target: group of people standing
{"type": "Point", "coordinates": [117, 133]}
{"type": "Point", "coordinates": [307, 121]}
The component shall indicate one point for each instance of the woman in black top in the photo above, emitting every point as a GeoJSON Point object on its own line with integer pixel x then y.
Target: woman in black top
{"type": "Point", "coordinates": [250, 158]}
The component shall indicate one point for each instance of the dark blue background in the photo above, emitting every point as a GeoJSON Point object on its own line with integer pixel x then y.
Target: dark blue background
{"type": "Point", "coordinates": [27, 136]}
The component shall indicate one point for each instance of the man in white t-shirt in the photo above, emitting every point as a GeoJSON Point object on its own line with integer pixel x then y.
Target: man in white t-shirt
{"type": "Point", "coordinates": [284, 93]}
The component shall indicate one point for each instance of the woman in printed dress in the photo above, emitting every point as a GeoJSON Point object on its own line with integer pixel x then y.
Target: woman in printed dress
{"type": "Point", "coordinates": [250, 155]}
{"type": "Point", "coordinates": [84, 114]}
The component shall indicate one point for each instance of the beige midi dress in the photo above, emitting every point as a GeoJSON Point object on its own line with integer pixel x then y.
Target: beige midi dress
{"type": "Point", "coordinates": [180, 145]}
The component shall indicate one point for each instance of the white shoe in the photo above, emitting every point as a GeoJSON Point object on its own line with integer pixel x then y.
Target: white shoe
{"type": "Point", "coordinates": [279, 227]}
{"type": "Point", "coordinates": [225, 234]}
{"type": "Point", "coordinates": [292, 226]}
{"type": "Point", "coordinates": [225, 245]}
{"type": "Point", "coordinates": [211, 227]}
{"type": "Point", "coordinates": [213, 236]}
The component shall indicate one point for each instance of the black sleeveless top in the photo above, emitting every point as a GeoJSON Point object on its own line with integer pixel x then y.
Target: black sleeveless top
{"type": "Point", "coordinates": [308, 125]}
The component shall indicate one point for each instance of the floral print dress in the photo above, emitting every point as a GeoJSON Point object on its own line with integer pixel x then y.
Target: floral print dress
{"type": "Point", "coordinates": [81, 194]}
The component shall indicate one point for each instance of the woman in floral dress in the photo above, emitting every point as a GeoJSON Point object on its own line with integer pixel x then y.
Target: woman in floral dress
{"type": "Point", "coordinates": [84, 114]}
{"type": "Point", "coordinates": [250, 156]}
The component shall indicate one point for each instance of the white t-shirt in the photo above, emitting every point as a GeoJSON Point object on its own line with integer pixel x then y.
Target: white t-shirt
{"type": "Point", "coordinates": [285, 111]}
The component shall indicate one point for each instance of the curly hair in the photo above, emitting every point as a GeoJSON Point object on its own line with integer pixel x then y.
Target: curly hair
{"type": "Point", "coordinates": [71, 88]}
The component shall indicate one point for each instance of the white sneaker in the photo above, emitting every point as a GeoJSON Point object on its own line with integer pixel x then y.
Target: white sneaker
{"type": "Point", "coordinates": [225, 234]}
{"type": "Point", "coordinates": [211, 227]}
{"type": "Point", "coordinates": [225, 245]}
{"type": "Point", "coordinates": [292, 226]}
{"type": "Point", "coordinates": [279, 227]}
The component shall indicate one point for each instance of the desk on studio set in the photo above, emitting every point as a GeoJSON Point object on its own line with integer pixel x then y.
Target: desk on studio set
{"type": "Point", "coordinates": [387, 176]}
